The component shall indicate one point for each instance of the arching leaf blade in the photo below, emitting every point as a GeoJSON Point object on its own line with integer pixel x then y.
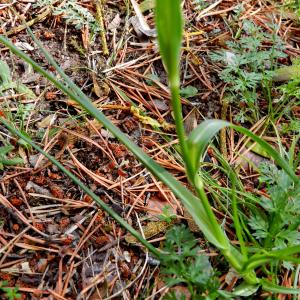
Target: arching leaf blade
{"type": "Point", "coordinates": [202, 135]}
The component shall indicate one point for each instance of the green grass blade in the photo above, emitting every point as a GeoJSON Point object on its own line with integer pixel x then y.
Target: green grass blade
{"type": "Point", "coordinates": [282, 254]}
{"type": "Point", "coordinates": [5, 77]}
{"type": "Point", "coordinates": [190, 201]}
{"type": "Point", "coordinates": [202, 135]}
{"type": "Point", "coordinates": [104, 206]}
{"type": "Point", "coordinates": [274, 288]}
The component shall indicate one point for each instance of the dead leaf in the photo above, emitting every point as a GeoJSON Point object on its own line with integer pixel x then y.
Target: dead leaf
{"type": "Point", "coordinates": [139, 29]}
{"type": "Point", "coordinates": [232, 273]}
{"type": "Point", "coordinates": [150, 230]}
{"type": "Point", "coordinates": [286, 73]}
{"type": "Point", "coordinates": [156, 207]}
{"type": "Point", "coordinates": [148, 120]}
{"type": "Point", "coordinates": [191, 223]}
{"type": "Point", "coordinates": [115, 23]}
{"type": "Point", "coordinates": [139, 23]}
{"type": "Point", "coordinates": [47, 122]}
{"type": "Point", "coordinates": [96, 87]}
{"type": "Point", "coordinates": [161, 105]}
{"type": "Point", "coordinates": [37, 189]}
{"type": "Point", "coordinates": [248, 158]}
{"type": "Point", "coordinates": [23, 155]}
{"type": "Point", "coordinates": [24, 46]}
{"type": "Point", "coordinates": [190, 121]}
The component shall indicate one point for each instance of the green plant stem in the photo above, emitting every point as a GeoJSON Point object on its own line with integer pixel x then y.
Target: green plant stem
{"type": "Point", "coordinates": [219, 233]}
{"type": "Point", "coordinates": [177, 109]}
{"type": "Point", "coordinates": [296, 279]}
{"type": "Point", "coordinates": [71, 90]}
{"type": "Point", "coordinates": [236, 218]}
{"type": "Point", "coordinates": [232, 255]}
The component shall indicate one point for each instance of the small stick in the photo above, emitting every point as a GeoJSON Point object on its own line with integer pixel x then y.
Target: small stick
{"type": "Point", "coordinates": [25, 200]}
{"type": "Point", "coordinates": [99, 18]}
{"type": "Point", "coordinates": [29, 23]}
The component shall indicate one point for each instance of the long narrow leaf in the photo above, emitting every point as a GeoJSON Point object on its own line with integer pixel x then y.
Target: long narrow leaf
{"type": "Point", "coordinates": [281, 254]}
{"type": "Point", "coordinates": [104, 206]}
{"type": "Point", "coordinates": [202, 135]}
{"type": "Point", "coordinates": [169, 26]}
{"type": "Point", "coordinates": [274, 288]}
{"type": "Point", "coordinates": [192, 203]}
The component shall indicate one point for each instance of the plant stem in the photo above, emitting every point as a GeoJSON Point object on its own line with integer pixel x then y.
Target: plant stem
{"type": "Point", "coordinates": [233, 256]}
{"type": "Point", "coordinates": [177, 109]}
{"type": "Point", "coordinates": [219, 234]}
{"type": "Point", "coordinates": [99, 18]}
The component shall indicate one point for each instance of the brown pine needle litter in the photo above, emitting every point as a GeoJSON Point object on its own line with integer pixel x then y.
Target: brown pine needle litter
{"type": "Point", "coordinates": [55, 242]}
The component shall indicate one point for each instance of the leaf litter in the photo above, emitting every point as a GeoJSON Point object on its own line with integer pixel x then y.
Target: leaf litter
{"type": "Point", "coordinates": [55, 242]}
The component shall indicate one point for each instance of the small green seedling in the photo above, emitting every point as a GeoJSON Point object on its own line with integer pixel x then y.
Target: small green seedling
{"type": "Point", "coordinates": [5, 161]}
{"type": "Point", "coordinates": [167, 214]}
{"type": "Point", "coordinates": [248, 69]}
{"type": "Point", "coordinates": [73, 13]}
{"type": "Point", "coordinates": [11, 293]}
{"type": "Point", "coordinates": [188, 91]}
{"type": "Point", "coordinates": [187, 264]}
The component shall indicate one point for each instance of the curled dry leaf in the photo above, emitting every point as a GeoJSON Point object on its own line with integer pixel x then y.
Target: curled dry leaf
{"type": "Point", "coordinates": [286, 73]}
{"type": "Point", "coordinates": [160, 105]}
{"type": "Point", "coordinates": [24, 46]}
{"type": "Point", "coordinates": [48, 121]}
{"type": "Point", "coordinates": [139, 23]}
{"type": "Point", "coordinates": [148, 120]}
{"type": "Point", "coordinates": [150, 230]}
{"type": "Point", "coordinates": [31, 186]}
{"type": "Point", "coordinates": [115, 23]}
{"type": "Point", "coordinates": [249, 158]}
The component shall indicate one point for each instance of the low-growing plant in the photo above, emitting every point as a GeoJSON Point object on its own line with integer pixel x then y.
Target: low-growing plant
{"type": "Point", "coordinates": [169, 27]}
{"type": "Point", "coordinates": [183, 263]}
{"type": "Point", "coordinates": [276, 221]}
{"type": "Point", "coordinates": [167, 214]}
{"type": "Point", "coordinates": [249, 69]}
{"type": "Point", "coordinates": [73, 13]}
{"type": "Point", "coordinates": [11, 293]}
{"type": "Point", "coordinates": [8, 161]}
{"type": "Point", "coordinates": [292, 5]}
